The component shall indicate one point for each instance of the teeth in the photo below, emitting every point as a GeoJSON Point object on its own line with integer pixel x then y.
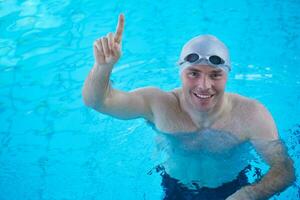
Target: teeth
{"type": "Point", "coordinates": [203, 96]}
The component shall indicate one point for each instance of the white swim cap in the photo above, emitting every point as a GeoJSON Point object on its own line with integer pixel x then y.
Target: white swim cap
{"type": "Point", "coordinates": [207, 50]}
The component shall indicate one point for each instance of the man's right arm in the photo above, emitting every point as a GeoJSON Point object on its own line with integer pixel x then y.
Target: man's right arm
{"type": "Point", "coordinates": [99, 95]}
{"type": "Point", "coordinates": [97, 91]}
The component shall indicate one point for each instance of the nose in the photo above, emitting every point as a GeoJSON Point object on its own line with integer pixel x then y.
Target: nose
{"type": "Point", "coordinates": [204, 83]}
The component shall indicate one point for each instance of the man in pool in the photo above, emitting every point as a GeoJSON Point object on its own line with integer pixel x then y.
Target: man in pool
{"type": "Point", "coordinates": [206, 128]}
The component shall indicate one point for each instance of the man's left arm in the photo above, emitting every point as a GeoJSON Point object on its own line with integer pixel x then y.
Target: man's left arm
{"type": "Point", "coordinates": [266, 142]}
{"type": "Point", "coordinates": [280, 175]}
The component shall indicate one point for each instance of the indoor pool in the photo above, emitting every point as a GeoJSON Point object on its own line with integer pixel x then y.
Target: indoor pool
{"type": "Point", "coordinates": [53, 147]}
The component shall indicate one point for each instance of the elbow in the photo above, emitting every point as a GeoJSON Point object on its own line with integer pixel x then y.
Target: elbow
{"type": "Point", "coordinates": [93, 102]}
{"type": "Point", "coordinates": [87, 102]}
{"type": "Point", "coordinates": [288, 172]}
{"type": "Point", "coordinates": [87, 99]}
{"type": "Point", "coordinates": [291, 171]}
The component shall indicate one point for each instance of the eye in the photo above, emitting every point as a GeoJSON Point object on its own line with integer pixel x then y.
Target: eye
{"type": "Point", "coordinates": [193, 74]}
{"type": "Point", "coordinates": [216, 75]}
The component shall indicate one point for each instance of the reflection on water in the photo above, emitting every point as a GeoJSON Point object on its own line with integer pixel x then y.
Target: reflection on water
{"type": "Point", "coordinates": [211, 158]}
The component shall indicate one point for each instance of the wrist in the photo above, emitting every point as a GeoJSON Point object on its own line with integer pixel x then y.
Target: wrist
{"type": "Point", "coordinates": [103, 66]}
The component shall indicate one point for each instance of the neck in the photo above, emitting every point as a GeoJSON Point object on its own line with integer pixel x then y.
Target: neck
{"type": "Point", "coordinates": [204, 119]}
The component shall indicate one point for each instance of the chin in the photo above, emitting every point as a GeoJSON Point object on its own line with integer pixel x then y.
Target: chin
{"type": "Point", "coordinates": [204, 105]}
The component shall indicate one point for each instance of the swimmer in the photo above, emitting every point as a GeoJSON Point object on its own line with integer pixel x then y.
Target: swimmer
{"type": "Point", "coordinates": [205, 127]}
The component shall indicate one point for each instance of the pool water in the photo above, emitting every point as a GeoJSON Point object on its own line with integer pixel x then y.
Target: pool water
{"type": "Point", "coordinates": [53, 147]}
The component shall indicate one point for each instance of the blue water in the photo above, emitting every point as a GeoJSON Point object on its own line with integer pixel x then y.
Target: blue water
{"type": "Point", "coordinates": [53, 147]}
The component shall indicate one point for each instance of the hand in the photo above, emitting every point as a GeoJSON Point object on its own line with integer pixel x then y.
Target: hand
{"type": "Point", "coordinates": [107, 50]}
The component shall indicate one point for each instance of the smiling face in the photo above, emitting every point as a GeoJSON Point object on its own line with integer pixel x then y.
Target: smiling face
{"type": "Point", "coordinates": [203, 87]}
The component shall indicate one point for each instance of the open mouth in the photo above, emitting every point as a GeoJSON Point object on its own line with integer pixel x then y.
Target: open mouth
{"type": "Point", "coordinates": [203, 96]}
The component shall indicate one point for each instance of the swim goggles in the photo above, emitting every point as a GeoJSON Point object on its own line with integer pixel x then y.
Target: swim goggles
{"type": "Point", "coordinates": [194, 58]}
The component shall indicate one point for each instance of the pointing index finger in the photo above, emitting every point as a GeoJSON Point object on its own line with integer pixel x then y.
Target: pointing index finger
{"type": "Point", "coordinates": [120, 29]}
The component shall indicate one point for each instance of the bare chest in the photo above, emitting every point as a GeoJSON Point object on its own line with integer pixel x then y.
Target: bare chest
{"type": "Point", "coordinates": [180, 123]}
{"type": "Point", "coordinates": [207, 141]}
{"type": "Point", "coordinates": [219, 138]}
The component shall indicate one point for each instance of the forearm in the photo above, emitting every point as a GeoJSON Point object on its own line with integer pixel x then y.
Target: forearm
{"type": "Point", "coordinates": [279, 177]}
{"type": "Point", "coordinates": [97, 86]}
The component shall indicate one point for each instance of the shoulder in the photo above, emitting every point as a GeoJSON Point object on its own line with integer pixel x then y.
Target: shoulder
{"type": "Point", "coordinates": [240, 100]}
{"type": "Point", "coordinates": [147, 90]}
{"type": "Point", "coordinates": [165, 107]}
{"type": "Point", "coordinates": [157, 98]}
{"type": "Point", "coordinates": [258, 121]}
{"type": "Point", "coordinates": [154, 93]}
{"type": "Point", "coordinates": [251, 106]}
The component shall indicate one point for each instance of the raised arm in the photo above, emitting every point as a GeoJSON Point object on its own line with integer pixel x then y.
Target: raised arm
{"type": "Point", "coordinates": [97, 91]}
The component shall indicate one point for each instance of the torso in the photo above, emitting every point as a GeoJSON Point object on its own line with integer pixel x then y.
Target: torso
{"type": "Point", "coordinates": [210, 155]}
